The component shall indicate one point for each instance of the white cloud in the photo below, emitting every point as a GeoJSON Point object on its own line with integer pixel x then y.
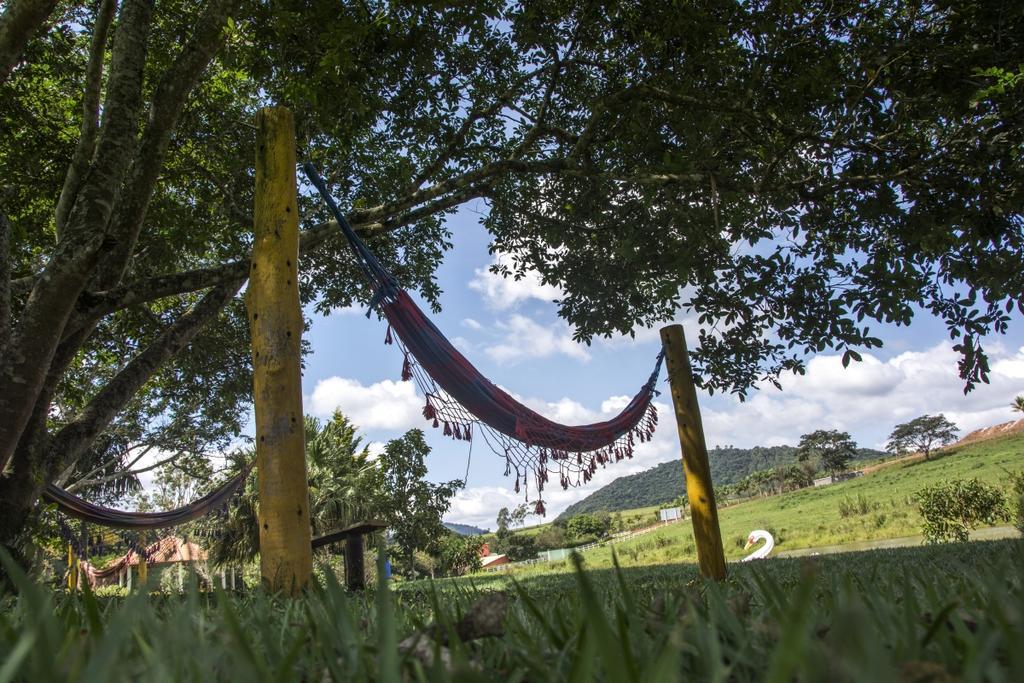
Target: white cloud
{"type": "Point", "coordinates": [867, 399]}
{"type": "Point", "coordinates": [375, 448]}
{"type": "Point", "coordinates": [525, 338]}
{"type": "Point", "coordinates": [383, 405]}
{"type": "Point", "coordinates": [471, 324]}
{"type": "Point", "coordinates": [1011, 367]}
{"type": "Point", "coordinates": [348, 310]}
{"type": "Point", "coordinates": [501, 293]}
{"type": "Point", "coordinates": [462, 344]}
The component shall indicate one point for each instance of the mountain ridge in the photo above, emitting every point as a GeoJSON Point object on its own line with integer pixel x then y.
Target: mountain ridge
{"type": "Point", "coordinates": [665, 482]}
{"type": "Point", "coordinates": [464, 529]}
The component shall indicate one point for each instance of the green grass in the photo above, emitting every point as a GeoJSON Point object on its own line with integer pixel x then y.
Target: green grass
{"type": "Point", "coordinates": [955, 610]}
{"type": "Point", "coordinates": [909, 614]}
{"type": "Point", "coordinates": [812, 517]}
{"type": "Point", "coordinates": [883, 501]}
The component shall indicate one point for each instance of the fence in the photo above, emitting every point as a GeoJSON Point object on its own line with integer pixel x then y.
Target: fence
{"type": "Point", "coordinates": [564, 553]}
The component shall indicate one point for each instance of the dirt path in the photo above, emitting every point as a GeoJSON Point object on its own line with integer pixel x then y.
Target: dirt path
{"type": "Point", "coordinates": [986, 534]}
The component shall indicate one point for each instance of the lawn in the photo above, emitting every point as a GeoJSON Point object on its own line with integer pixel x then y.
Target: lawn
{"type": "Point", "coordinates": [933, 613]}
{"type": "Point", "coordinates": [915, 614]}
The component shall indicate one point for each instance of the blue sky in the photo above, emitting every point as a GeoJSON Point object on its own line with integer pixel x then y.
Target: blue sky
{"type": "Point", "coordinates": [511, 332]}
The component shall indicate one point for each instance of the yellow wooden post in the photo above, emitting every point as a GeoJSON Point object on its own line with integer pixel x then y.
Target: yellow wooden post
{"type": "Point", "coordinates": [275, 317]}
{"type": "Point", "coordinates": [699, 489]}
{"type": "Point", "coordinates": [143, 572]}
{"type": "Point", "coordinates": [72, 574]}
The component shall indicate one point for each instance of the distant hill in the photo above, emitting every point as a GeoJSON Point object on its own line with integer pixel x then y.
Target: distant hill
{"type": "Point", "coordinates": [465, 529]}
{"type": "Point", "coordinates": [665, 482]}
{"type": "Point", "coordinates": [1011, 427]}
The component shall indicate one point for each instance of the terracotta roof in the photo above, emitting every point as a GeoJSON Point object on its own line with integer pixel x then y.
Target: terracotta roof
{"type": "Point", "coordinates": [493, 559]}
{"type": "Point", "coordinates": [170, 549]}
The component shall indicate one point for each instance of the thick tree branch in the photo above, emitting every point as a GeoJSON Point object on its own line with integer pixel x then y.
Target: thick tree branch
{"type": "Point", "coordinates": [168, 101]}
{"type": "Point", "coordinates": [99, 304]}
{"type": "Point", "coordinates": [40, 326]}
{"type": "Point", "coordinates": [90, 113]}
{"type": "Point", "coordinates": [82, 483]}
{"type": "Point", "coordinates": [19, 23]}
{"type": "Point", "coordinates": [62, 480]}
{"type": "Point", "coordinates": [76, 436]}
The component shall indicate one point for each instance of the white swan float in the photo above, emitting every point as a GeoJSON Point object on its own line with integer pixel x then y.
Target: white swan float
{"type": "Point", "coordinates": [762, 552]}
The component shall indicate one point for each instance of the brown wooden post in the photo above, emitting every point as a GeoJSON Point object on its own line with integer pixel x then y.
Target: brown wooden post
{"type": "Point", "coordinates": [355, 567]}
{"type": "Point", "coordinates": [699, 489]}
{"type": "Point", "coordinates": [275, 317]}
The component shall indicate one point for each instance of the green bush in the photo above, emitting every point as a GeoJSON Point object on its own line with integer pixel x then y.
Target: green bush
{"type": "Point", "coordinates": [952, 509]}
{"type": "Point", "coordinates": [848, 507]}
{"type": "Point", "coordinates": [520, 547]}
{"type": "Point", "coordinates": [596, 524]}
{"type": "Point", "coordinates": [1017, 499]}
{"type": "Point", "coordinates": [111, 592]}
{"type": "Point", "coordinates": [551, 538]}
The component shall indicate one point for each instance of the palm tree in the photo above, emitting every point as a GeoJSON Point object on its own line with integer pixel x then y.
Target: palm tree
{"type": "Point", "coordinates": [1018, 404]}
{"type": "Point", "coordinates": [340, 493]}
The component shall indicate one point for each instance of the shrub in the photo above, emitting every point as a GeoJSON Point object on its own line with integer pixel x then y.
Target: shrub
{"type": "Point", "coordinates": [952, 509]}
{"type": "Point", "coordinates": [551, 538]}
{"type": "Point", "coordinates": [457, 555]}
{"type": "Point", "coordinates": [848, 507]}
{"type": "Point", "coordinates": [596, 524]}
{"type": "Point", "coordinates": [1017, 498]}
{"type": "Point", "coordinates": [111, 592]}
{"type": "Point", "coordinates": [520, 547]}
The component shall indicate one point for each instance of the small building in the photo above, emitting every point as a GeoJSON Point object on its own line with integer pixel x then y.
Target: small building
{"type": "Point", "coordinates": [835, 479]}
{"type": "Point", "coordinates": [168, 552]}
{"type": "Point", "coordinates": [489, 561]}
{"type": "Point", "coordinates": [670, 514]}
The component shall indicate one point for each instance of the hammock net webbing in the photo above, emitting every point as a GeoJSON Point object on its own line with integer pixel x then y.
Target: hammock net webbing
{"type": "Point", "coordinates": [464, 402]}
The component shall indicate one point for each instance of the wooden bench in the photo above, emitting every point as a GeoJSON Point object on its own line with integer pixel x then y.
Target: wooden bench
{"type": "Point", "coordinates": [355, 550]}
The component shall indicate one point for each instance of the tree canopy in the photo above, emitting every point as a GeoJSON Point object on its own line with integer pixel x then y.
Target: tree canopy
{"type": "Point", "coordinates": [922, 434]}
{"type": "Point", "coordinates": [832, 449]}
{"type": "Point", "coordinates": [412, 506]}
{"type": "Point", "coordinates": [792, 173]}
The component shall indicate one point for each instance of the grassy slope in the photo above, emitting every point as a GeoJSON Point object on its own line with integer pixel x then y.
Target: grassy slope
{"type": "Point", "coordinates": [811, 517]}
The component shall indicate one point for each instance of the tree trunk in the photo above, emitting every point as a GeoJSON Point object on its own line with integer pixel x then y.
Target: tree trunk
{"type": "Point", "coordinates": [19, 23]}
{"type": "Point", "coordinates": [34, 341]}
{"type": "Point", "coordinates": [22, 484]}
